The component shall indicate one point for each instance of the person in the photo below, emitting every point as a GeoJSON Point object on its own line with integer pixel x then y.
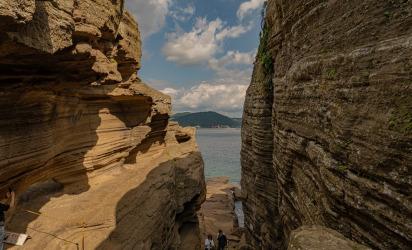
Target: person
{"type": "Point", "coordinates": [221, 240]}
{"type": "Point", "coordinates": [209, 243]}
{"type": "Point", "coordinates": [5, 205]}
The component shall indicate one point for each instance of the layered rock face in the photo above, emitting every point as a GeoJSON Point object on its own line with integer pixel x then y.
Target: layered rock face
{"type": "Point", "coordinates": [317, 237]}
{"type": "Point", "coordinates": [84, 142]}
{"type": "Point", "coordinates": [327, 132]}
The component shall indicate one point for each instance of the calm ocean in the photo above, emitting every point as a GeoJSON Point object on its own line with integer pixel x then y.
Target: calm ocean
{"type": "Point", "coordinates": [221, 152]}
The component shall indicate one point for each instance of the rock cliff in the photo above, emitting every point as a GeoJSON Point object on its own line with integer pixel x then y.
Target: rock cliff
{"type": "Point", "coordinates": [88, 146]}
{"type": "Point", "coordinates": [327, 125]}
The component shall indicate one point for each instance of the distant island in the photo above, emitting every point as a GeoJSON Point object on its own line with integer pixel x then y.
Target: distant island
{"type": "Point", "coordinates": [208, 119]}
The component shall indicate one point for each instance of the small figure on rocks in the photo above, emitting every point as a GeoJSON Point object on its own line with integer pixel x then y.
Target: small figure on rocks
{"type": "Point", "coordinates": [5, 205]}
{"type": "Point", "coordinates": [221, 240]}
{"type": "Point", "coordinates": [209, 243]}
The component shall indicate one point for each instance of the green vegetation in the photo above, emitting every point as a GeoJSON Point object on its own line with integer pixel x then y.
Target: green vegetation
{"type": "Point", "coordinates": [175, 116]}
{"type": "Point", "coordinates": [331, 74]}
{"type": "Point", "coordinates": [401, 120]}
{"type": "Point", "coordinates": [263, 55]}
{"type": "Point", "coordinates": [206, 120]}
{"type": "Point", "coordinates": [342, 168]}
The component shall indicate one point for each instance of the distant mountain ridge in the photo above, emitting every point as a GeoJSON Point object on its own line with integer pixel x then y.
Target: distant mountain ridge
{"type": "Point", "coordinates": [208, 119]}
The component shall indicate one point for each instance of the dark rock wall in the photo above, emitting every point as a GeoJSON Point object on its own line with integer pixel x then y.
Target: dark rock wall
{"type": "Point", "coordinates": [339, 131]}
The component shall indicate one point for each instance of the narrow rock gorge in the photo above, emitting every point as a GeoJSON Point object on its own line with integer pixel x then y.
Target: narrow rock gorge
{"type": "Point", "coordinates": [327, 126]}
{"type": "Point", "coordinates": [86, 145]}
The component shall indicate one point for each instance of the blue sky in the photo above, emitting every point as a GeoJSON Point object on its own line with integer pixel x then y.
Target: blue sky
{"type": "Point", "coordinates": [200, 52]}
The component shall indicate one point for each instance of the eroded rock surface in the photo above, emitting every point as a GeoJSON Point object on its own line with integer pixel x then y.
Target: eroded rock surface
{"type": "Point", "coordinates": [327, 136]}
{"type": "Point", "coordinates": [84, 142]}
{"type": "Point", "coordinates": [320, 238]}
{"type": "Point", "coordinates": [13, 13]}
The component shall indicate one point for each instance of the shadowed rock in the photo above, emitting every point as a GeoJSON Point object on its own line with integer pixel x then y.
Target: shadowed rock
{"type": "Point", "coordinates": [81, 135]}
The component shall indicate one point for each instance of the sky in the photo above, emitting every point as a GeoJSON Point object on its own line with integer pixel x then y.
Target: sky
{"type": "Point", "coordinates": [200, 52]}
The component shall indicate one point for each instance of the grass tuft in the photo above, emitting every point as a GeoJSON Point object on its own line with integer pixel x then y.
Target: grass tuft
{"type": "Point", "coordinates": [342, 168]}
{"type": "Point", "coordinates": [401, 120]}
{"type": "Point", "coordinates": [331, 74]}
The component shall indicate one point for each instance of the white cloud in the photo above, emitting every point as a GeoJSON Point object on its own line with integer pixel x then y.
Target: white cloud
{"type": "Point", "coordinates": [218, 97]}
{"type": "Point", "coordinates": [203, 45]}
{"type": "Point", "coordinates": [193, 47]}
{"type": "Point", "coordinates": [232, 58]}
{"type": "Point", "coordinates": [200, 44]}
{"type": "Point", "coordinates": [183, 14]}
{"type": "Point", "coordinates": [233, 68]}
{"type": "Point", "coordinates": [170, 91]}
{"type": "Point", "coordinates": [150, 14]}
{"type": "Point", "coordinates": [225, 94]}
{"type": "Point", "coordinates": [223, 98]}
{"type": "Point", "coordinates": [233, 32]}
{"type": "Point", "coordinates": [248, 7]}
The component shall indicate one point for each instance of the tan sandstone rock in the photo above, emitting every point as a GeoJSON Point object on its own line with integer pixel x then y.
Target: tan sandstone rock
{"type": "Point", "coordinates": [14, 13]}
{"type": "Point", "coordinates": [320, 238]}
{"type": "Point", "coordinates": [86, 145]}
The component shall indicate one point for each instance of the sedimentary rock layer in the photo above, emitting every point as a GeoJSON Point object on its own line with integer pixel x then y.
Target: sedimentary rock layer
{"type": "Point", "coordinates": [84, 142]}
{"type": "Point", "coordinates": [317, 237]}
{"type": "Point", "coordinates": [327, 132]}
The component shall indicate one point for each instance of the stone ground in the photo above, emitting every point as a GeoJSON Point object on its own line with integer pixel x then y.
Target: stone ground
{"type": "Point", "coordinates": [217, 211]}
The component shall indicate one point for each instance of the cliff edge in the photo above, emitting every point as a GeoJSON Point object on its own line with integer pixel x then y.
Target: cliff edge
{"type": "Point", "coordinates": [86, 145]}
{"type": "Point", "coordinates": [327, 125]}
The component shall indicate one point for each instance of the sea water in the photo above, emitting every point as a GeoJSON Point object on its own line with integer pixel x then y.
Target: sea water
{"type": "Point", "coordinates": [220, 149]}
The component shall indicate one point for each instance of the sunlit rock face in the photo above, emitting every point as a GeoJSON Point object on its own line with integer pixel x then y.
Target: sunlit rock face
{"type": "Point", "coordinates": [318, 237]}
{"type": "Point", "coordinates": [83, 141]}
{"type": "Point", "coordinates": [327, 132]}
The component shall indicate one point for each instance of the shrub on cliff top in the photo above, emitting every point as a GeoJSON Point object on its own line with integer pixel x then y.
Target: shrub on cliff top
{"type": "Point", "coordinates": [263, 54]}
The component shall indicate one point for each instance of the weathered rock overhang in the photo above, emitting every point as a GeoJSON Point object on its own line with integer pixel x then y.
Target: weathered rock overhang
{"type": "Point", "coordinates": [83, 141]}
